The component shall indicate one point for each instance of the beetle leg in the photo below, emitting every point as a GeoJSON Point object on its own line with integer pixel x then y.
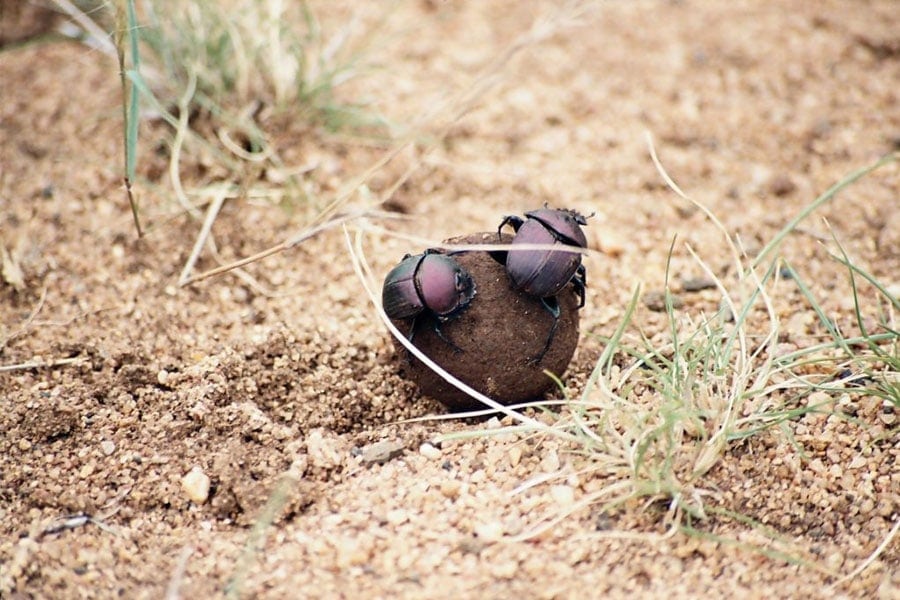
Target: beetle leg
{"type": "Point", "coordinates": [551, 305]}
{"type": "Point", "coordinates": [516, 222]}
{"type": "Point", "coordinates": [436, 326]}
{"type": "Point", "coordinates": [499, 255]}
{"type": "Point", "coordinates": [445, 339]}
{"type": "Point", "coordinates": [580, 283]}
{"type": "Point", "coordinates": [513, 220]}
{"type": "Point", "coordinates": [410, 336]}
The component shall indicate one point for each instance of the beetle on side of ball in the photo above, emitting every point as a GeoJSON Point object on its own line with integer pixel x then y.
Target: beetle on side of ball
{"type": "Point", "coordinates": [429, 283]}
{"type": "Point", "coordinates": [544, 273]}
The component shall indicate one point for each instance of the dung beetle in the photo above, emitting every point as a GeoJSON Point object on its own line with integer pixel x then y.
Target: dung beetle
{"type": "Point", "coordinates": [430, 283]}
{"type": "Point", "coordinates": [544, 273]}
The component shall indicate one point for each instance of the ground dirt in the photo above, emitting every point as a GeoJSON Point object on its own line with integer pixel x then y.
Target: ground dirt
{"type": "Point", "coordinates": [276, 388]}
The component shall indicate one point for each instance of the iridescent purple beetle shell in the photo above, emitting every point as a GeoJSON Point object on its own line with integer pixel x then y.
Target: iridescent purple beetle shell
{"type": "Point", "coordinates": [427, 282]}
{"type": "Point", "coordinates": [543, 273]}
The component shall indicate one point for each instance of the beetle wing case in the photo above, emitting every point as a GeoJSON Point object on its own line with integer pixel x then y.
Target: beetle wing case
{"type": "Point", "coordinates": [399, 296]}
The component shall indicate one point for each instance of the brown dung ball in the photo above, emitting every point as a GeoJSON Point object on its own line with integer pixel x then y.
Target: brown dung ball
{"type": "Point", "coordinates": [499, 334]}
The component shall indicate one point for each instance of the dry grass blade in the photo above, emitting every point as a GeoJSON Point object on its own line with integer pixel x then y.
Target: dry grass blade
{"type": "Point", "coordinates": [42, 364]}
{"type": "Point", "coordinates": [173, 588]}
{"type": "Point", "coordinates": [28, 320]}
{"type": "Point", "coordinates": [865, 564]}
{"type": "Point", "coordinates": [181, 131]}
{"type": "Point", "coordinates": [211, 213]}
{"type": "Point", "coordinates": [98, 37]}
{"type": "Point", "coordinates": [287, 244]}
{"type": "Point", "coordinates": [257, 534]}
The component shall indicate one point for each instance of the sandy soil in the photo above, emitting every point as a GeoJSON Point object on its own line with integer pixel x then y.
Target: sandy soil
{"type": "Point", "coordinates": [277, 389]}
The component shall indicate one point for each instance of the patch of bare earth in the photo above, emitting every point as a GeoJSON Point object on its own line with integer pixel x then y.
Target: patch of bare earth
{"type": "Point", "coordinates": [277, 391]}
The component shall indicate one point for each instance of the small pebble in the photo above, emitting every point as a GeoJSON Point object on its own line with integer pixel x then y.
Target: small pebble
{"type": "Point", "coordinates": [397, 516]}
{"type": "Point", "coordinates": [492, 531]}
{"type": "Point", "coordinates": [726, 315]}
{"type": "Point", "coordinates": [786, 272]}
{"type": "Point", "coordinates": [656, 301]}
{"type": "Point", "coordinates": [858, 462]}
{"type": "Point", "coordinates": [819, 399]}
{"type": "Point", "coordinates": [550, 463]}
{"type": "Point", "coordinates": [835, 560]}
{"type": "Point", "coordinates": [429, 451]}
{"type": "Point", "coordinates": [564, 495]}
{"type": "Point", "coordinates": [781, 185]}
{"type": "Point", "coordinates": [612, 244]}
{"type": "Point", "coordinates": [450, 488]}
{"type": "Point", "coordinates": [696, 284]}
{"type": "Point", "coordinates": [505, 569]}
{"type": "Point", "coordinates": [381, 452]}
{"type": "Point", "coordinates": [107, 447]}
{"type": "Point", "coordinates": [196, 485]}
{"type": "Point", "coordinates": [493, 423]}
{"type": "Point", "coordinates": [894, 290]}
{"type": "Point", "coordinates": [515, 455]}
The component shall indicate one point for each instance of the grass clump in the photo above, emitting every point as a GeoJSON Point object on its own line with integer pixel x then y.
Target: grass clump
{"type": "Point", "coordinates": [660, 412]}
{"type": "Point", "coordinates": [251, 51]}
{"type": "Point", "coordinates": [228, 79]}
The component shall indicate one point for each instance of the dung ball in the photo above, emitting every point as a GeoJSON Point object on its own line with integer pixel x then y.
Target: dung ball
{"type": "Point", "coordinates": [496, 337]}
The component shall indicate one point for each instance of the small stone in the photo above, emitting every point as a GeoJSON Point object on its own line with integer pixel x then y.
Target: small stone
{"type": "Point", "coordinates": [726, 315]}
{"type": "Point", "coordinates": [505, 569]}
{"type": "Point", "coordinates": [819, 399]}
{"type": "Point", "coordinates": [656, 301]}
{"type": "Point", "coordinates": [162, 377]}
{"type": "Point", "coordinates": [686, 549]}
{"type": "Point", "coordinates": [107, 447]}
{"type": "Point", "coordinates": [894, 290]}
{"type": "Point", "coordinates": [196, 485]}
{"type": "Point", "coordinates": [24, 445]}
{"type": "Point", "coordinates": [709, 548]}
{"type": "Point", "coordinates": [381, 452]}
{"type": "Point", "coordinates": [696, 284]}
{"type": "Point", "coordinates": [834, 561]}
{"type": "Point", "coordinates": [492, 531]}
{"type": "Point", "coordinates": [550, 463]}
{"type": "Point", "coordinates": [858, 461]}
{"type": "Point", "coordinates": [781, 185]}
{"type": "Point", "coordinates": [397, 516]}
{"type": "Point", "coordinates": [429, 451]}
{"type": "Point", "coordinates": [564, 495]}
{"type": "Point", "coordinates": [515, 455]}
{"type": "Point", "coordinates": [450, 488]}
